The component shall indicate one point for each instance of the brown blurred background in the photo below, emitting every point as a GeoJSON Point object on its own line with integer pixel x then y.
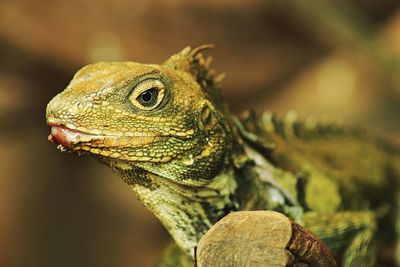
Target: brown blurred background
{"type": "Point", "coordinates": [327, 59]}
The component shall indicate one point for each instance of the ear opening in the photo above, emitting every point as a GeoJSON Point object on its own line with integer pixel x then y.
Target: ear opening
{"type": "Point", "coordinates": [208, 115]}
{"type": "Point", "coordinates": [205, 117]}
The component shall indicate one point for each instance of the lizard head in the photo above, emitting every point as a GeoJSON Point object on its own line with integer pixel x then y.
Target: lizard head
{"type": "Point", "coordinates": [162, 128]}
{"type": "Point", "coordinates": [141, 113]}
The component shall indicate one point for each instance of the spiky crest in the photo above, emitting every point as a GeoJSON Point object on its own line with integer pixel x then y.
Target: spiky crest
{"type": "Point", "coordinates": [193, 61]}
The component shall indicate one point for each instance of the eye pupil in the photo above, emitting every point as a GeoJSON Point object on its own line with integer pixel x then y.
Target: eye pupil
{"type": "Point", "coordinates": [146, 96]}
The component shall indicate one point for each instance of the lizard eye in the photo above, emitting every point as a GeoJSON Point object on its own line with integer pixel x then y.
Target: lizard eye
{"type": "Point", "coordinates": [148, 94]}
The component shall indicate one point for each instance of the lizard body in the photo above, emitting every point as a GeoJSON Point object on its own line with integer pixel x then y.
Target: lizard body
{"type": "Point", "coordinates": [166, 131]}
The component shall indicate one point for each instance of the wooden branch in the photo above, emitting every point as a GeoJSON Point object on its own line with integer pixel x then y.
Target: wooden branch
{"type": "Point", "coordinates": [261, 238]}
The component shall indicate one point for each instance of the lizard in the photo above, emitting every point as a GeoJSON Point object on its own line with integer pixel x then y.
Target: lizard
{"type": "Point", "coordinates": [166, 131]}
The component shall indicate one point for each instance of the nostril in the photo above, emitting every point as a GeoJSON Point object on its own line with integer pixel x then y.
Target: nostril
{"type": "Point", "coordinates": [51, 114]}
{"type": "Point", "coordinates": [51, 109]}
{"type": "Point", "coordinates": [79, 105]}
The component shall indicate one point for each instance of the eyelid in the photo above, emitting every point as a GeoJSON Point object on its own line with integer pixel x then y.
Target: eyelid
{"type": "Point", "coordinates": [144, 86]}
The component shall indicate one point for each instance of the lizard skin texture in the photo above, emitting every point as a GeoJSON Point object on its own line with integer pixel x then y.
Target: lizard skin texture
{"type": "Point", "coordinates": [166, 131]}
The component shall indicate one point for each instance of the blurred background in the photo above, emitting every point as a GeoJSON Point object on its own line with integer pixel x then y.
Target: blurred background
{"type": "Point", "coordinates": [322, 58]}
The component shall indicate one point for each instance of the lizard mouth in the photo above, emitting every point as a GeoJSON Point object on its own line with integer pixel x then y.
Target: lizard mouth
{"type": "Point", "coordinates": [66, 137]}
{"type": "Point", "coordinates": [69, 139]}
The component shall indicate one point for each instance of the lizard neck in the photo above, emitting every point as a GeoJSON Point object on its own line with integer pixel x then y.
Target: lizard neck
{"type": "Point", "coordinates": [186, 210]}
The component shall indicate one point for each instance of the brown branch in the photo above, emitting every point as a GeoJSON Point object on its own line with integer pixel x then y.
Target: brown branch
{"type": "Point", "coordinates": [261, 238]}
